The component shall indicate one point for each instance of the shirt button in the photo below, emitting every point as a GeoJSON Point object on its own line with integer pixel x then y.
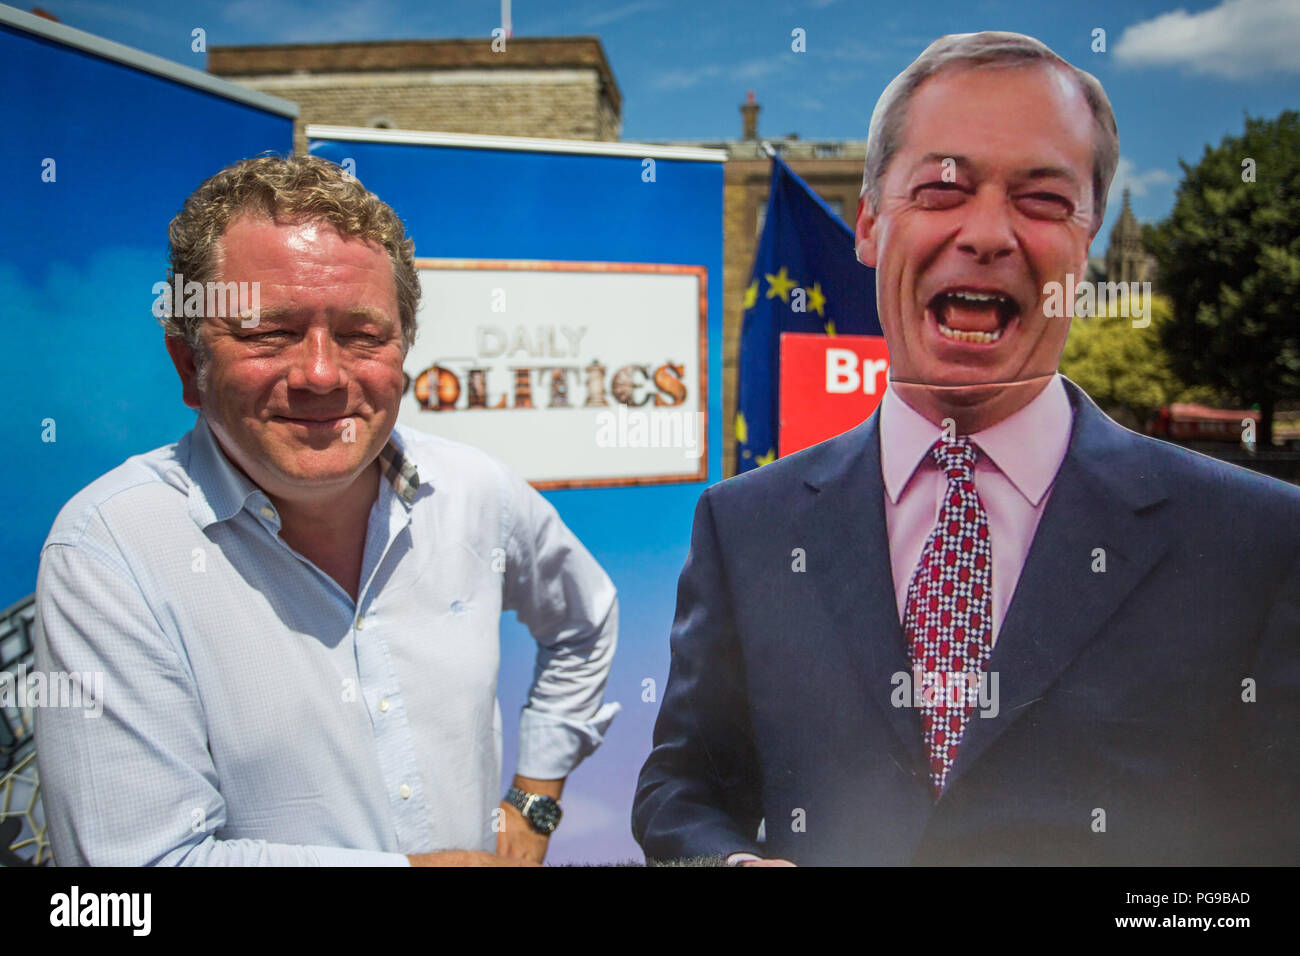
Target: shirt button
{"type": "Point", "coordinates": [405, 792]}
{"type": "Point", "coordinates": [361, 623]}
{"type": "Point", "coordinates": [268, 511]}
{"type": "Point", "coordinates": [383, 705]}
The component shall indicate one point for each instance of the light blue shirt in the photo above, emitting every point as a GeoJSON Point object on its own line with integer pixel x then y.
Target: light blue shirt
{"type": "Point", "coordinates": [253, 714]}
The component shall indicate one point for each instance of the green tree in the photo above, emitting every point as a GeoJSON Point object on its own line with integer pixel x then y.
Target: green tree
{"type": "Point", "coordinates": [1126, 370]}
{"type": "Point", "coordinates": [1229, 257]}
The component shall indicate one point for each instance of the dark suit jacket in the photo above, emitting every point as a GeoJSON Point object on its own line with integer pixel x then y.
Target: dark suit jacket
{"type": "Point", "coordinates": [1121, 692]}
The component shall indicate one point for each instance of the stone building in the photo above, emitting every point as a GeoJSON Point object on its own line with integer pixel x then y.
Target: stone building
{"type": "Point", "coordinates": [1127, 260]}
{"type": "Point", "coordinates": [555, 88]}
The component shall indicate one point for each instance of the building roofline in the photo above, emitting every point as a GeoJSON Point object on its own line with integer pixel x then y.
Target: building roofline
{"type": "Point", "coordinates": [365, 134]}
{"type": "Point", "coordinates": [435, 54]}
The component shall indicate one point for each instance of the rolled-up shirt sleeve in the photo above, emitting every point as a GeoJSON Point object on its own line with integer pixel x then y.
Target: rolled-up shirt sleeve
{"type": "Point", "coordinates": [126, 777]}
{"type": "Point", "coordinates": [569, 605]}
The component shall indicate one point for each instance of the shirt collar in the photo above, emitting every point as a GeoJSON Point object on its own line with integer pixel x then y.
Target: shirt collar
{"type": "Point", "coordinates": [398, 469]}
{"type": "Point", "coordinates": [219, 491]}
{"type": "Point", "coordinates": [1028, 447]}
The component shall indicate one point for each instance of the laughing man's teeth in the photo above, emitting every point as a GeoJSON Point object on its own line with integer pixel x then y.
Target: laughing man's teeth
{"type": "Point", "coordinates": [979, 296]}
{"type": "Point", "coordinates": [970, 336]}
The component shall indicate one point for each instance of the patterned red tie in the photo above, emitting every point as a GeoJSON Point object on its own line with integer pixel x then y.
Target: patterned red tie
{"type": "Point", "coordinates": [948, 622]}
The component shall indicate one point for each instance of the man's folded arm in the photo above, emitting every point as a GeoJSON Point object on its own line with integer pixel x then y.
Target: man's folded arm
{"type": "Point", "coordinates": [569, 605]}
{"type": "Point", "coordinates": [699, 793]}
{"type": "Point", "coordinates": [127, 779]}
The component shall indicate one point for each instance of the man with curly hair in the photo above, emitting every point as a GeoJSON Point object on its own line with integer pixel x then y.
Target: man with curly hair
{"type": "Point", "coordinates": [296, 606]}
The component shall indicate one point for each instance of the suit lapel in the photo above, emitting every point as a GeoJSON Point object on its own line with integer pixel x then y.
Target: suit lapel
{"type": "Point", "coordinates": [1101, 498]}
{"type": "Point", "coordinates": [847, 517]}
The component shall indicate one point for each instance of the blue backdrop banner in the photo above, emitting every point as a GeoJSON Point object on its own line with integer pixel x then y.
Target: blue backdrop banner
{"type": "Point", "coordinates": [102, 145]}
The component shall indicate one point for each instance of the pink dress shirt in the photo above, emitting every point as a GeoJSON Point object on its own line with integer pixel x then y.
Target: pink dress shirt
{"type": "Point", "coordinates": [1019, 459]}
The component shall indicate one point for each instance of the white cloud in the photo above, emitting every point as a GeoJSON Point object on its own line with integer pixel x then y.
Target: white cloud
{"type": "Point", "coordinates": [77, 12]}
{"type": "Point", "coordinates": [747, 72]}
{"type": "Point", "coordinates": [606, 17]}
{"type": "Point", "coordinates": [854, 50]}
{"type": "Point", "coordinates": [752, 70]}
{"type": "Point", "coordinates": [1138, 183]}
{"type": "Point", "coordinates": [684, 79]}
{"type": "Point", "coordinates": [312, 21]}
{"type": "Point", "coordinates": [1235, 39]}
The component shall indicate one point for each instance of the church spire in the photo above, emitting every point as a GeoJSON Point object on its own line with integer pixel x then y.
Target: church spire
{"type": "Point", "coordinates": [1126, 258]}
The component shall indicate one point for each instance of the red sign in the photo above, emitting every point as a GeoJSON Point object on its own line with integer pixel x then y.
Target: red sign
{"type": "Point", "coordinates": [829, 383]}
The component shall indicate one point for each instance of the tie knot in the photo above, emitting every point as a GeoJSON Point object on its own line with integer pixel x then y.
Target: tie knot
{"type": "Point", "coordinates": [956, 458]}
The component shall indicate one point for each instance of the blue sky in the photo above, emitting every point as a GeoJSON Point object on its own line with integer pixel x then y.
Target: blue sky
{"type": "Point", "coordinates": [1180, 75]}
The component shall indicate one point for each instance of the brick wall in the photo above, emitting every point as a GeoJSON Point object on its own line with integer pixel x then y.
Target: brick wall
{"type": "Point", "coordinates": [554, 88]}
{"type": "Point", "coordinates": [548, 104]}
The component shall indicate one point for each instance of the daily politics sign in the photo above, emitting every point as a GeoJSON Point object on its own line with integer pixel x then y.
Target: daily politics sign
{"type": "Point", "coordinates": [575, 374]}
{"type": "Point", "coordinates": [807, 279]}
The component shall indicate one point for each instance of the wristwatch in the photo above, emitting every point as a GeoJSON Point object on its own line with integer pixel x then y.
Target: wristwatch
{"type": "Point", "coordinates": [541, 811]}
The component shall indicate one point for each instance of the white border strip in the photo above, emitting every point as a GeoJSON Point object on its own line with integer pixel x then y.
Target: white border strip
{"type": "Point", "coordinates": [109, 50]}
{"type": "Point", "coordinates": [411, 137]}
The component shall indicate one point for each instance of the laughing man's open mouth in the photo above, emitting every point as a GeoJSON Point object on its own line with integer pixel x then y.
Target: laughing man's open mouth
{"type": "Point", "coordinates": [973, 315]}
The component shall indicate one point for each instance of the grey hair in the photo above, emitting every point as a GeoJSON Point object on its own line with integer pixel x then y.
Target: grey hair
{"type": "Point", "coordinates": [973, 50]}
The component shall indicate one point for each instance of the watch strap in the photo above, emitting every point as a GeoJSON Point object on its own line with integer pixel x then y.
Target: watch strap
{"type": "Point", "coordinates": [529, 805]}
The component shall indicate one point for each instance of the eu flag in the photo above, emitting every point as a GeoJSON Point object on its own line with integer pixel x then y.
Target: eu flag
{"type": "Point", "coordinates": [806, 279]}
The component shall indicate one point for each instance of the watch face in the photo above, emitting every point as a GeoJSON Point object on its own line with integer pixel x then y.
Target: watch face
{"type": "Point", "coordinates": [544, 814]}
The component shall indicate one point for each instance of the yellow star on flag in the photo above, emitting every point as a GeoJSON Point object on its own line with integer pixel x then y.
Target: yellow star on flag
{"type": "Point", "coordinates": [830, 327]}
{"type": "Point", "coordinates": [751, 295]}
{"type": "Point", "coordinates": [768, 458]}
{"type": "Point", "coordinates": [780, 284]}
{"type": "Point", "coordinates": [817, 300]}
{"type": "Point", "coordinates": [742, 429]}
